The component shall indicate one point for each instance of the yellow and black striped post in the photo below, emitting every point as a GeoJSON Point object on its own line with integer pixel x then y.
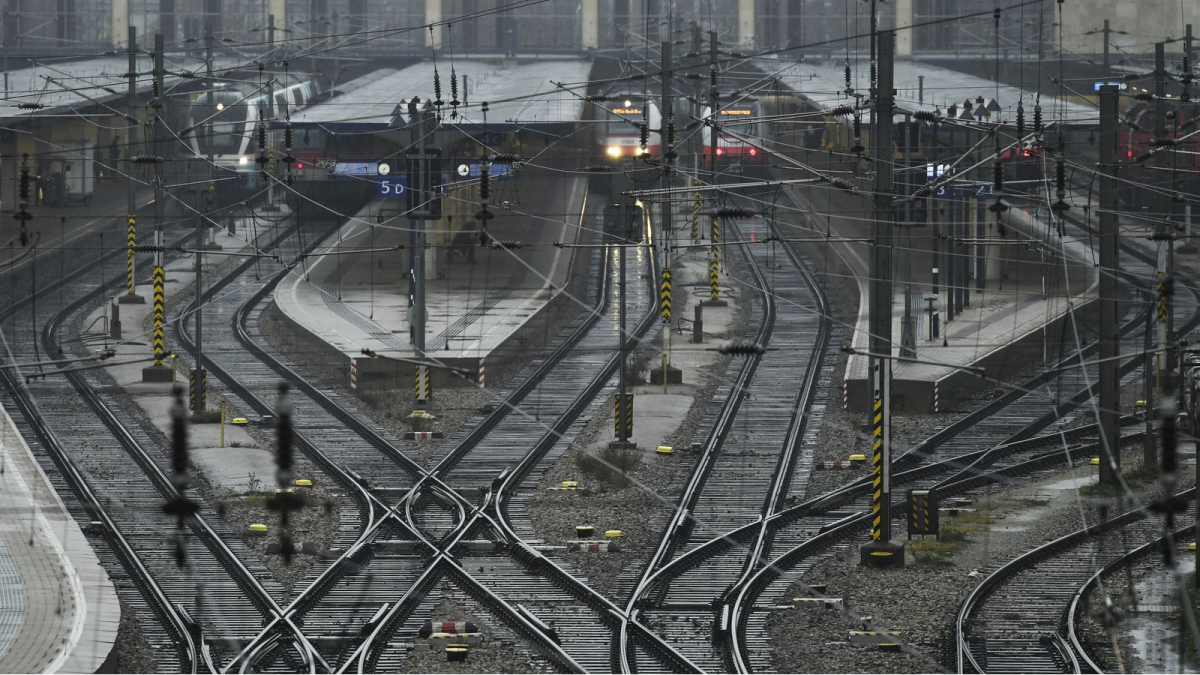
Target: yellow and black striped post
{"type": "Point", "coordinates": [696, 217]}
{"type": "Point", "coordinates": [131, 245]}
{"type": "Point", "coordinates": [159, 341]}
{"type": "Point", "coordinates": [198, 391]}
{"type": "Point", "coordinates": [714, 262]}
{"type": "Point", "coordinates": [665, 295]}
{"type": "Point", "coordinates": [623, 417]}
{"type": "Point", "coordinates": [878, 520]}
{"type": "Point", "coordinates": [422, 390]}
{"type": "Point", "coordinates": [923, 512]}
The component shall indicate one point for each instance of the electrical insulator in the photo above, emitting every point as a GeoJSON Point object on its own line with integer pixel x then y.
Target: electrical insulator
{"type": "Point", "coordinates": [644, 136]}
{"type": "Point", "coordinates": [287, 136]}
{"type": "Point", "coordinates": [1037, 120]}
{"type": "Point", "coordinates": [923, 191]}
{"type": "Point", "coordinates": [1162, 142]}
{"type": "Point", "coordinates": [595, 98]}
{"type": "Point", "coordinates": [849, 87]}
{"type": "Point", "coordinates": [262, 137]}
{"type": "Point", "coordinates": [1143, 157]}
{"type": "Point", "coordinates": [30, 106]}
{"type": "Point", "coordinates": [671, 130]}
{"type": "Point", "coordinates": [24, 189]}
{"type": "Point", "coordinates": [484, 215]}
{"type": "Point", "coordinates": [437, 88]}
{"type": "Point", "coordinates": [998, 206]}
{"type": "Point", "coordinates": [874, 74]}
{"type": "Point", "coordinates": [927, 116]}
{"type": "Point", "coordinates": [485, 180]}
{"type": "Point", "coordinates": [506, 244]}
{"type": "Point", "coordinates": [1144, 96]}
{"type": "Point", "coordinates": [712, 77]}
{"type": "Point", "coordinates": [147, 159]}
{"type": "Point", "coordinates": [734, 212]}
{"type": "Point", "coordinates": [453, 87]}
{"type": "Point", "coordinates": [858, 146]}
{"type": "Point", "coordinates": [1020, 120]}
{"type": "Point", "coordinates": [506, 158]}
{"type": "Point", "coordinates": [841, 111]}
{"type": "Point", "coordinates": [843, 184]}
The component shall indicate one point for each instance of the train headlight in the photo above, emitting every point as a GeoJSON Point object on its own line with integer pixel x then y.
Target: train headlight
{"type": "Point", "coordinates": [639, 151]}
{"type": "Point", "coordinates": [220, 107]}
{"type": "Point", "coordinates": [613, 151]}
{"type": "Point", "coordinates": [243, 161]}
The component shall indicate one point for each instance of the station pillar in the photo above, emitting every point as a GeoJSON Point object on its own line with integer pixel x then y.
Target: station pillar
{"type": "Point", "coordinates": [278, 10]}
{"type": "Point", "coordinates": [591, 24]}
{"type": "Point", "coordinates": [747, 21]}
{"type": "Point", "coordinates": [433, 15]}
{"type": "Point", "coordinates": [119, 24]}
{"type": "Point", "coordinates": [904, 17]}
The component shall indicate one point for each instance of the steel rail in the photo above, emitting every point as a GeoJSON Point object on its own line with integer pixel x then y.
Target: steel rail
{"type": "Point", "coordinates": [971, 604]}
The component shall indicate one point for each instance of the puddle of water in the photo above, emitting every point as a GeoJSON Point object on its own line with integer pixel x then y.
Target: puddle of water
{"type": "Point", "coordinates": [1156, 640]}
{"type": "Point", "coordinates": [1071, 483]}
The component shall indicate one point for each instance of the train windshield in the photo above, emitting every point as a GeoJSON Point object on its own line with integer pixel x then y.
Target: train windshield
{"type": "Point", "coordinates": [624, 116]}
{"type": "Point", "coordinates": [737, 120]}
{"type": "Point", "coordinates": [227, 116]}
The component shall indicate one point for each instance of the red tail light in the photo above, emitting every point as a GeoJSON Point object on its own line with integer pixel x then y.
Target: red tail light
{"type": "Point", "coordinates": [720, 151]}
{"type": "Point", "coordinates": [299, 165]}
{"type": "Point", "coordinates": [753, 152]}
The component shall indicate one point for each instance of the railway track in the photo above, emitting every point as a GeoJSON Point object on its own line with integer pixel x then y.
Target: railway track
{"type": "Point", "coordinates": [944, 458]}
{"type": "Point", "coordinates": [752, 454]}
{"type": "Point", "coordinates": [325, 410]}
{"type": "Point", "coordinates": [137, 531]}
{"type": "Point", "coordinates": [1015, 620]}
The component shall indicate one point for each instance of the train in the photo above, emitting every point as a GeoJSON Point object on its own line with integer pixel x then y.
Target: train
{"type": "Point", "coordinates": [619, 138]}
{"type": "Point", "coordinates": [1137, 137]}
{"type": "Point", "coordinates": [746, 119]}
{"type": "Point", "coordinates": [234, 109]}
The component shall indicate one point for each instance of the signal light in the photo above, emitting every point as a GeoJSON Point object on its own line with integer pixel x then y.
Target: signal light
{"type": "Point", "coordinates": [753, 152]}
{"type": "Point", "coordinates": [300, 165]}
{"type": "Point", "coordinates": [720, 151]}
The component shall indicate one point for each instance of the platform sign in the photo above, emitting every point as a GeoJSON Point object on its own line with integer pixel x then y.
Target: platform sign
{"type": "Point", "coordinates": [475, 170]}
{"type": "Point", "coordinates": [985, 193]}
{"type": "Point", "coordinates": [392, 187]}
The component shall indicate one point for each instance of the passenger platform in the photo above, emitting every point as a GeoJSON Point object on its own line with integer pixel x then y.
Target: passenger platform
{"type": "Point", "coordinates": [58, 608]}
{"type": "Point", "coordinates": [477, 298]}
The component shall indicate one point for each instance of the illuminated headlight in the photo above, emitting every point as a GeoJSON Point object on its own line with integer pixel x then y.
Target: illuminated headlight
{"type": "Point", "coordinates": [243, 161]}
{"type": "Point", "coordinates": [638, 152]}
{"type": "Point", "coordinates": [220, 107]}
{"type": "Point", "coordinates": [614, 151]}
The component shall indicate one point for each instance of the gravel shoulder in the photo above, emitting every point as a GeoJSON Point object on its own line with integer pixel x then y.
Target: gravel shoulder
{"type": "Point", "coordinates": [1006, 523]}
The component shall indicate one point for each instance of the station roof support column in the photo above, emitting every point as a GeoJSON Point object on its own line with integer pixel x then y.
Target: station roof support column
{"type": "Point", "coordinates": [747, 18]}
{"type": "Point", "coordinates": [591, 24]}
{"type": "Point", "coordinates": [433, 17]}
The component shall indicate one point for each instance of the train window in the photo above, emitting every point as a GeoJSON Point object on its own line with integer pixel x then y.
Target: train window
{"type": "Point", "coordinates": [738, 120]}
{"type": "Point", "coordinates": [228, 116]}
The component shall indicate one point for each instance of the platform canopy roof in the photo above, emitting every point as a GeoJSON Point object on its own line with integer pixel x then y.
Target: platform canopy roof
{"type": "Point", "coordinates": [824, 82]}
{"type": "Point", "coordinates": [519, 93]}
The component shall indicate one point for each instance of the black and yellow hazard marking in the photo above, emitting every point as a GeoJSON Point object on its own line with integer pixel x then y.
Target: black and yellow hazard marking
{"type": "Point", "coordinates": [714, 261]}
{"type": "Point", "coordinates": [422, 390]}
{"type": "Point", "coordinates": [159, 340]}
{"type": "Point", "coordinates": [623, 416]}
{"type": "Point", "coordinates": [130, 247]}
{"type": "Point", "coordinates": [198, 391]}
{"type": "Point", "coordinates": [1160, 304]}
{"type": "Point", "coordinates": [877, 469]}
{"type": "Point", "coordinates": [923, 512]}
{"type": "Point", "coordinates": [665, 295]}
